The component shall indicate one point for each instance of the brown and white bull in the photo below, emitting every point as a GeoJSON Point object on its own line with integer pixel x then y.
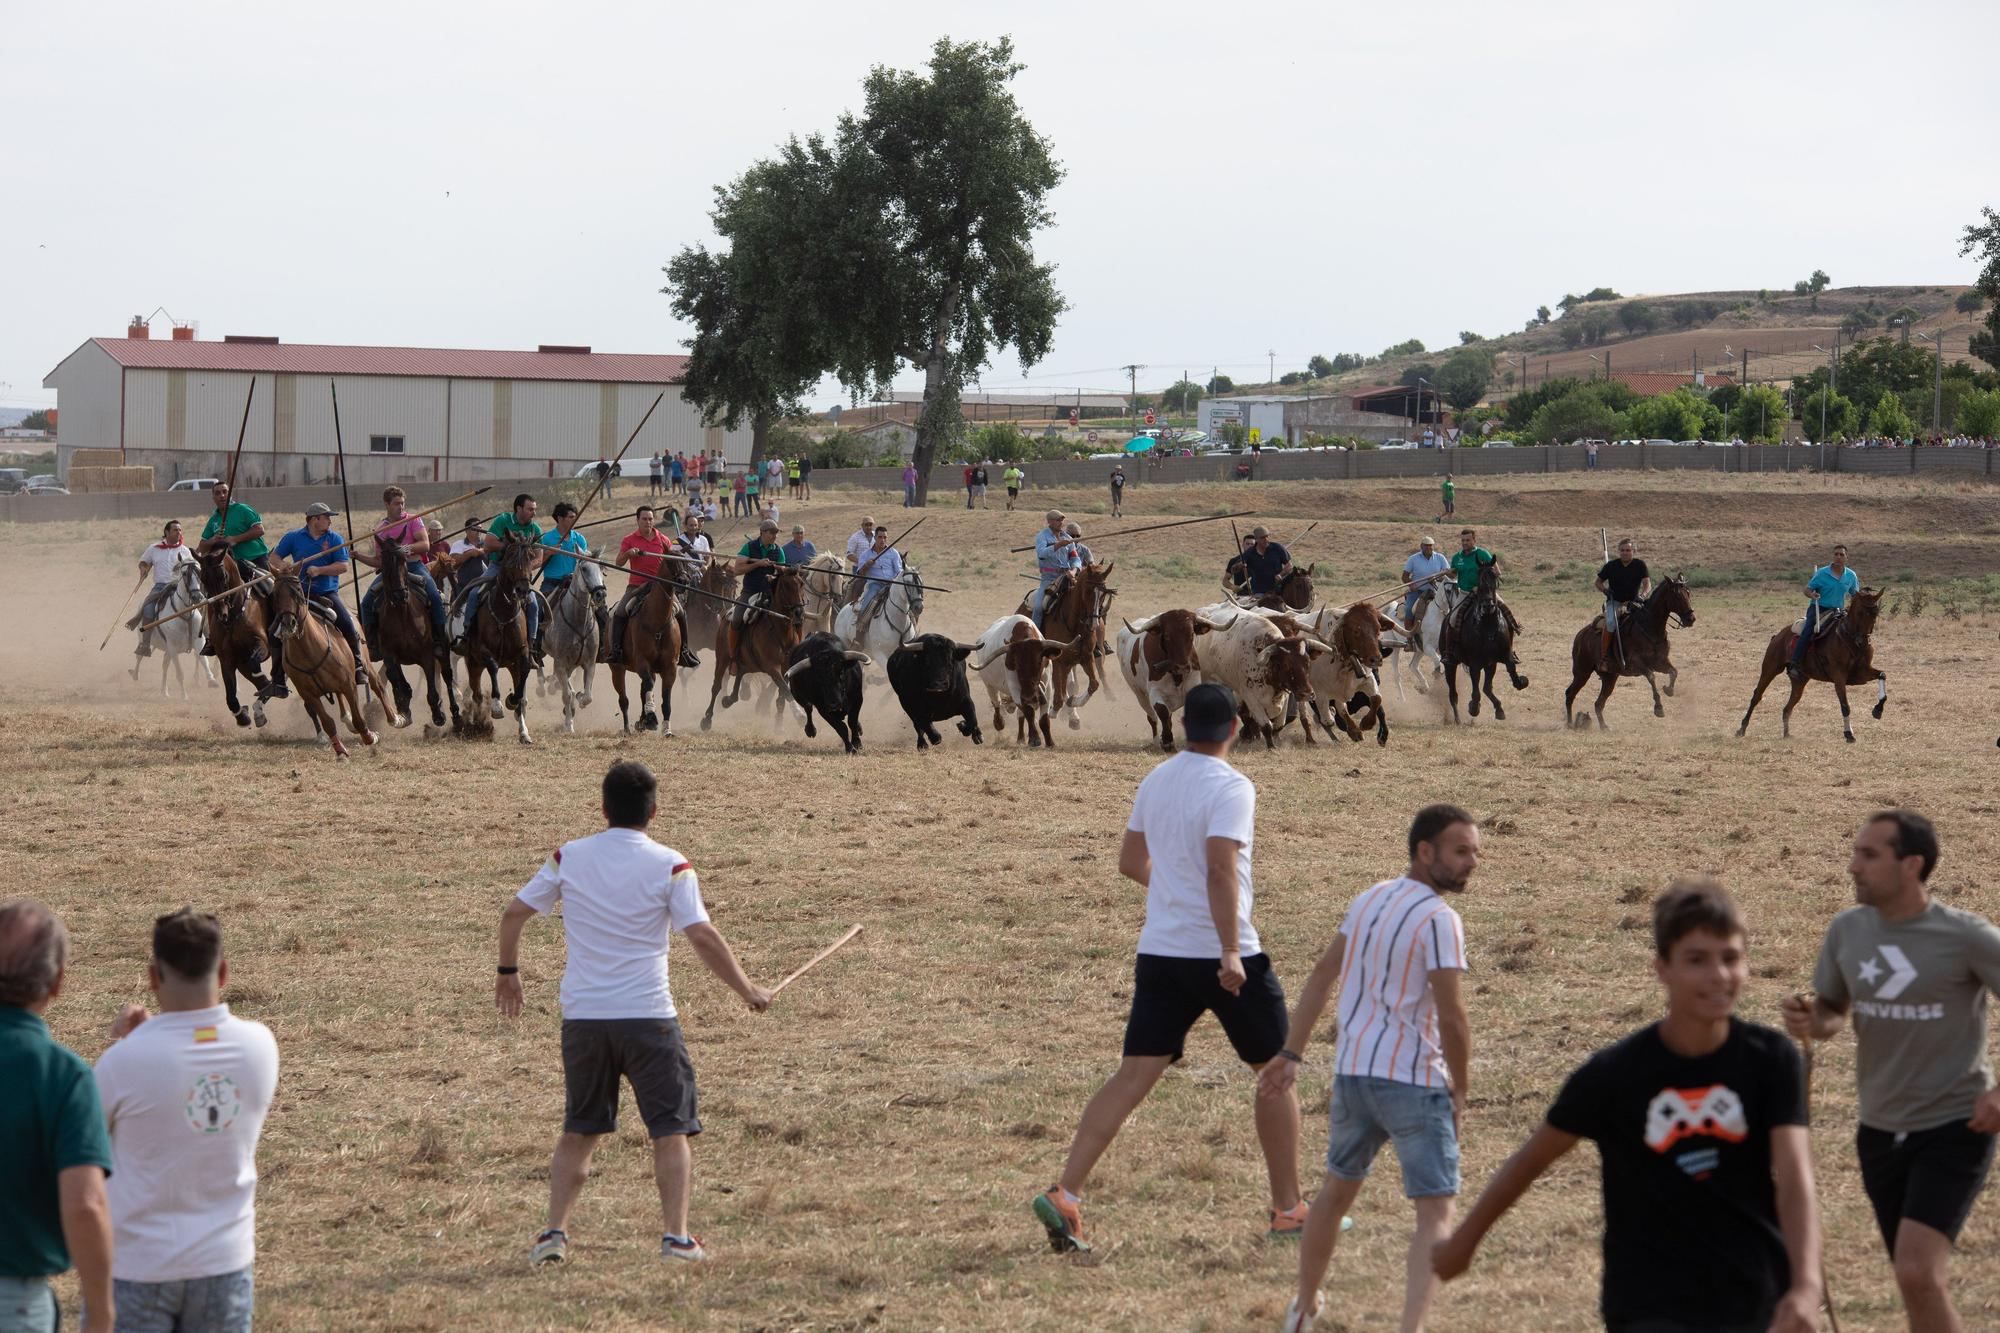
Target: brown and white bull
{"type": "Point", "coordinates": [1265, 666]}
{"type": "Point", "coordinates": [1346, 679]}
{"type": "Point", "coordinates": [1157, 658]}
{"type": "Point", "coordinates": [1012, 660]}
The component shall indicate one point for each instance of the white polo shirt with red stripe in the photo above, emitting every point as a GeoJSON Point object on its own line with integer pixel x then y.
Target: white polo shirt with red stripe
{"type": "Point", "coordinates": [622, 895]}
{"type": "Point", "coordinates": [1398, 933]}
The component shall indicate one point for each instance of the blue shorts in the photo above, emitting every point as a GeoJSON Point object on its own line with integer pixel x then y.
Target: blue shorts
{"type": "Point", "coordinates": [220, 1304]}
{"type": "Point", "coordinates": [1365, 1113]}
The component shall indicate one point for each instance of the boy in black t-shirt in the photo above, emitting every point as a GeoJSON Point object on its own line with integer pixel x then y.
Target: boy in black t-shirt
{"type": "Point", "coordinates": [1710, 1221]}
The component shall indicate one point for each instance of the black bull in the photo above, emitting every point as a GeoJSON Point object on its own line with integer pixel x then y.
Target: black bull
{"type": "Point", "coordinates": [824, 675]}
{"type": "Point", "coordinates": [928, 675]}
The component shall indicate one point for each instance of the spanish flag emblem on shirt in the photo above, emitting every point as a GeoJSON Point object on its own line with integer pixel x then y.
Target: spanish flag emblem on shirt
{"type": "Point", "coordinates": [202, 1035]}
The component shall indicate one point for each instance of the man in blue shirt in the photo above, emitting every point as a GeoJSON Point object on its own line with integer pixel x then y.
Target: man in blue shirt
{"type": "Point", "coordinates": [1829, 588]}
{"type": "Point", "coordinates": [1267, 562]}
{"type": "Point", "coordinates": [556, 570]}
{"type": "Point", "coordinates": [1055, 556]}
{"type": "Point", "coordinates": [1426, 564]}
{"type": "Point", "coordinates": [799, 551]}
{"type": "Point", "coordinates": [884, 562]}
{"type": "Point", "coordinates": [321, 557]}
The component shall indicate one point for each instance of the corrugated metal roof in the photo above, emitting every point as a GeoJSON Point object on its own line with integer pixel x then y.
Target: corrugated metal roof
{"type": "Point", "coordinates": [456, 363]}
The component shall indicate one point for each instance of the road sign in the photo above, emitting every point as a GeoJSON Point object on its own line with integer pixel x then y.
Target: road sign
{"type": "Point", "coordinates": [1072, 416]}
{"type": "Point", "coordinates": [1150, 418]}
{"type": "Point", "coordinates": [1090, 437]}
{"type": "Point", "coordinates": [1256, 435]}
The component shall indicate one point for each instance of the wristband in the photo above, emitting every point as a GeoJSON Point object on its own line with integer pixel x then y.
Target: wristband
{"type": "Point", "coordinates": [1289, 1054]}
{"type": "Point", "coordinates": [509, 971]}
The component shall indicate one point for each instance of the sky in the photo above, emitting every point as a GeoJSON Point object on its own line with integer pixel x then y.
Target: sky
{"type": "Point", "coordinates": [1242, 184]}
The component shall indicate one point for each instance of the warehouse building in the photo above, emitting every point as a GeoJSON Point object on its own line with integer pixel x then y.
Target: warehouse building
{"type": "Point", "coordinates": [406, 413]}
{"type": "Point", "coordinates": [1292, 417]}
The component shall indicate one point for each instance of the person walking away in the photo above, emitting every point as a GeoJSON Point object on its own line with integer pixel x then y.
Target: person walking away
{"type": "Point", "coordinates": [419, 553]}
{"type": "Point", "coordinates": [909, 485]}
{"type": "Point", "coordinates": [1117, 490]}
{"type": "Point", "coordinates": [184, 1207]}
{"type": "Point", "coordinates": [1700, 1126]}
{"type": "Point", "coordinates": [622, 896]}
{"type": "Point", "coordinates": [321, 557]}
{"type": "Point", "coordinates": [1012, 477]}
{"type": "Point", "coordinates": [1829, 588]}
{"type": "Point", "coordinates": [1449, 490]}
{"type": "Point", "coordinates": [1423, 570]}
{"type": "Point", "coordinates": [1915, 977]}
{"type": "Point", "coordinates": [1622, 581]}
{"type": "Point", "coordinates": [1402, 1055]}
{"type": "Point", "coordinates": [53, 1211]}
{"type": "Point", "coordinates": [1188, 844]}
{"type": "Point", "coordinates": [163, 558]}
{"type": "Point", "coordinates": [643, 550]}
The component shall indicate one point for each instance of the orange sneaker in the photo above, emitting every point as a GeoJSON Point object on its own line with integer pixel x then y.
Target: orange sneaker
{"type": "Point", "coordinates": [1286, 1224]}
{"type": "Point", "coordinates": [1063, 1219]}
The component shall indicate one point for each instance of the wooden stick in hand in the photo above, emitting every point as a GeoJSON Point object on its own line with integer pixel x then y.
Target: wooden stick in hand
{"type": "Point", "coordinates": [816, 960]}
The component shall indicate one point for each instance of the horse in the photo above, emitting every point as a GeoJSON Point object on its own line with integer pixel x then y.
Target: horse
{"type": "Point", "coordinates": [182, 636]}
{"type": "Point", "coordinates": [762, 644]}
{"type": "Point", "coordinates": [1643, 635]}
{"type": "Point", "coordinates": [1841, 656]}
{"type": "Point", "coordinates": [403, 638]}
{"type": "Point", "coordinates": [890, 627]}
{"type": "Point", "coordinates": [825, 577]}
{"type": "Point", "coordinates": [319, 662]}
{"type": "Point", "coordinates": [1293, 592]}
{"type": "Point", "coordinates": [498, 637]}
{"type": "Point", "coordinates": [706, 615]}
{"type": "Point", "coordinates": [1480, 639]}
{"type": "Point", "coordinates": [571, 636]}
{"type": "Point", "coordinates": [236, 631]}
{"type": "Point", "coordinates": [1433, 605]}
{"type": "Point", "coordinates": [1074, 612]}
{"type": "Point", "coordinates": [652, 648]}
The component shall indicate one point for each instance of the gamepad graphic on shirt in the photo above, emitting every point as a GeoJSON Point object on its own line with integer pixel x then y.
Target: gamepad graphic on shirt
{"type": "Point", "coordinates": [1685, 1113]}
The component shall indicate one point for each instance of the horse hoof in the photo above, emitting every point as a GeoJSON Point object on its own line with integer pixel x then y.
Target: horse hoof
{"type": "Point", "coordinates": [1076, 724]}
{"type": "Point", "coordinates": [1876, 711]}
{"type": "Point", "coordinates": [368, 738]}
{"type": "Point", "coordinates": [1521, 684]}
{"type": "Point", "coordinates": [1382, 738]}
{"type": "Point", "coordinates": [319, 739]}
{"type": "Point", "coordinates": [1848, 736]}
{"type": "Point", "coordinates": [1659, 712]}
{"type": "Point", "coordinates": [242, 717]}
{"type": "Point", "coordinates": [707, 721]}
{"type": "Point", "coordinates": [259, 716]}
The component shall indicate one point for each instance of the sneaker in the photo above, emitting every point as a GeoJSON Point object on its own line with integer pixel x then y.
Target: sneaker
{"type": "Point", "coordinates": [1297, 1322]}
{"type": "Point", "coordinates": [1288, 1226]}
{"type": "Point", "coordinates": [1063, 1219]}
{"type": "Point", "coordinates": [551, 1247]}
{"type": "Point", "coordinates": [689, 1250]}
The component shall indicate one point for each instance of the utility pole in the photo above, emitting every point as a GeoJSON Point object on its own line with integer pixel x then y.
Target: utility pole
{"type": "Point", "coordinates": [1133, 371]}
{"type": "Point", "coordinates": [1274, 366]}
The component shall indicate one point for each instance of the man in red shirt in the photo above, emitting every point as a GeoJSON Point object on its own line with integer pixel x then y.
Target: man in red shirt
{"type": "Point", "coordinates": [968, 485]}
{"type": "Point", "coordinates": [641, 551]}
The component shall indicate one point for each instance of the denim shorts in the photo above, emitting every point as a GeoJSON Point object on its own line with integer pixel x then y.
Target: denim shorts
{"type": "Point", "coordinates": [28, 1306]}
{"type": "Point", "coordinates": [219, 1304]}
{"type": "Point", "coordinates": [1365, 1113]}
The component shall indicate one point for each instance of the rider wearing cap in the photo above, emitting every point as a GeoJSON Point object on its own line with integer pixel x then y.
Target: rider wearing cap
{"type": "Point", "coordinates": [859, 544]}
{"type": "Point", "coordinates": [760, 556]}
{"type": "Point", "coordinates": [1265, 561]}
{"type": "Point", "coordinates": [320, 557]}
{"type": "Point", "coordinates": [1055, 556]}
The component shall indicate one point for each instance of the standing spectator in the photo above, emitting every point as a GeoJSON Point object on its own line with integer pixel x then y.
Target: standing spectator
{"type": "Point", "coordinates": [1396, 963]}
{"type": "Point", "coordinates": [1917, 977]}
{"type": "Point", "coordinates": [1117, 490]}
{"type": "Point", "coordinates": [653, 465]}
{"type": "Point", "coordinates": [1012, 476]}
{"type": "Point", "coordinates": [909, 485]}
{"type": "Point", "coordinates": [622, 895]}
{"type": "Point", "coordinates": [1449, 490]}
{"type": "Point", "coordinates": [753, 489]}
{"type": "Point", "coordinates": [968, 485]}
{"type": "Point", "coordinates": [979, 483]}
{"type": "Point", "coordinates": [184, 1207]}
{"type": "Point", "coordinates": [792, 475]}
{"type": "Point", "coordinates": [1590, 455]}
{"type": "Point", "coordinates": [52, 1203]}
{"type": "Point", "coordinates": [805, 477]}
{"type": "Point", "coordinates": [677, 474]}
{"type": "Point", "coordinates": [736, 485]}
{"type": "Point", "coordinates": [713, 473]}
{"type": "Point", "coordinates": [774, 476]}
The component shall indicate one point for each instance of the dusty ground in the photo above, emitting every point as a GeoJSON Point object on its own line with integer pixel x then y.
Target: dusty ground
{"type": "Point", "coordinates": [873, 1143]}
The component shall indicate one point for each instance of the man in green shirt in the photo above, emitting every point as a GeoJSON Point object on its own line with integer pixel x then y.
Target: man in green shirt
{"type": "Point", "coordinates": [520, 520]}
{"type": "Point", "coordinates": [237, 528]}
{"type": "Point", "coordinates": [1012, 477]}
{"type": "Point", "coordinates": [760, 556]}
{"type": "Point", "coordinates": [1450, 492]}
{"type": "Point", "coordinates": [53, 1208]}
{"type": "Point", "coordinates": [1466, 562]}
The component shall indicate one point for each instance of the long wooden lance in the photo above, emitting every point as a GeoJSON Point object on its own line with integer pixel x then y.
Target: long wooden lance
{"type": "Point", "coordinates": [815, 960]}
{"type": "Point", "coordinates": [261, 575]}
{"type": "Point", "coordinates": [724, 555]}
{"type": "Point", "coordinates": [241, 430]}
{"type": "Point", "coordinates": [346, 504]}
{"type": "Point", "coordinates": [899, 536]}
{"type": "Point", "coordinates": [606, 478]}
{"type": "Point", "coordinates": [1150, 527]}
{"type": "Point", "coordinates": [121, 610]}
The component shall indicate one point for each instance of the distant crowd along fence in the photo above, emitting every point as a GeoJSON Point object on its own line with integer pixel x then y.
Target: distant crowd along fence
{"type": "Point", "coordinates": [1271, 465]}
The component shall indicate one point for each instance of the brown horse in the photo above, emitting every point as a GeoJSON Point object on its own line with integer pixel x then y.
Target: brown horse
{"type": "Point", "coordinates": [498, 637]}
{"type": "Point", "coordinates": [763, 644]}
{"type": "Point", "coordinates": [236, 631]}
{"type": "Point", "coordinates": [1074, 613]}
{"type": "Point", "coordinates": [403, 638]}
{"type": "Point", "coordinates": [1643, 634]}
{"type": "Point", "coordinates": [319, 662]}
{"type": "Point", "coordinates": [1294, 591]}
{"type": "Point", "coordinates": [1480, 638]}
{"type": "Point", "coordinates": [705, 615]}
{"type": "Point", "coordinates": [652, 648]}
{"type": "Point", "coordinates": [1842, 656]}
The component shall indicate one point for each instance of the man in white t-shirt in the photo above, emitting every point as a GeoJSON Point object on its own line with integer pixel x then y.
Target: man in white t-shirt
{"type": "Point", "coordinates": [1188, 842]}
{"type": "Point", "coordinates": [1400, 1059]}
{"type": "Point", "coordinates": [185, 1094]}
{"type": "Point", "coordinates": [622, 894]}
{"type": "Point", "coordinates": [163, 558]}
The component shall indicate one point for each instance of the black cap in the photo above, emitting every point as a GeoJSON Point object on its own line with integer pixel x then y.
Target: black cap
{"type": "Point", "coordinates": [1209, 713]}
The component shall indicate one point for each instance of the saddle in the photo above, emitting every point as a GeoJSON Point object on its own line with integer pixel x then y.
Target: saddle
{"type": "Point", "coordinates": [322, 610]}
{"type": "Point", "coordinates": [1822, 627]}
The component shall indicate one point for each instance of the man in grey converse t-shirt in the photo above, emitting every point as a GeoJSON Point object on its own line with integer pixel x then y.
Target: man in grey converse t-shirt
{"type": "Point", "coordinates": [1915, 976]}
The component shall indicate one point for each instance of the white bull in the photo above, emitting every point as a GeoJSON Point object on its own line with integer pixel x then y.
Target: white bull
{"type": "Point", "coordinates": [1157, 658]}
{"type": "Point", "coordinates": [1260, 662]}
{"type": "Point", "coordinates": [1012, 660]}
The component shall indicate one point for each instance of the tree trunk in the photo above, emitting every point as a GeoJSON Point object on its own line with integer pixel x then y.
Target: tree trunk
{"type": "Point", "coordinates": [936, 391]}
{"type": "Point", "coordinates": [760, 432]}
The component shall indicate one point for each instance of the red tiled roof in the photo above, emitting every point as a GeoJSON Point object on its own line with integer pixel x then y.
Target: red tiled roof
{"type": "Point", "coordinates": [457, 363]}
{"type": "Point", "coordinates": [1649, 383]}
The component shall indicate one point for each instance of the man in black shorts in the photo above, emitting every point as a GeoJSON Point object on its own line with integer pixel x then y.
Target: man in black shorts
{"type": "Point", "coordinates": [1915, 975]}
{"type": "Point", "coordinates": [622, 893]}
{"type": "Point", "coordinates": [1188, 842]}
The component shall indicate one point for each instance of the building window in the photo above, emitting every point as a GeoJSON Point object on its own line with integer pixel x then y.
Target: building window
{"type": "Point", "coordinates": [385, 444]}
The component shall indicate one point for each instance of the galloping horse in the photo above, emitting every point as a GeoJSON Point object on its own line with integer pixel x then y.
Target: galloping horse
{"type": "Point", "coordinates": [236, 630]}
{"type": "Point", "coordinates": [825, 577]}
{"type": "Point", "coordinates": [1074, 613]}
{"type": "Point", "coordinates": [499, 637]}
{"type": "Point", "coordinates": [1434, 603]}
{"type": "Point", "coordinates": [319, 662]}
{"type": "Point", "coordinates": [179, 637]}
{"type": "Point", "coordinates": [763, 644]}
{"type": "Point", "coordinates": [902, 606]}
{"type": "Point", "coordinates": [1644, 635]}
{"type": "Point", "coordinates": [1841, 656]}
{"type": "Point", "coordinates": [570, 631]}
{"type": "Point", "coordinates": [1294, 591]}
{"type": "Point", "coordinates": [403, 638]}
{"type": "Point", "coordinates": [705, 615]}
{"type": "Point", "coordinates": [1480, 640]}
{"type": "Point", "coordinates": [652, 648]}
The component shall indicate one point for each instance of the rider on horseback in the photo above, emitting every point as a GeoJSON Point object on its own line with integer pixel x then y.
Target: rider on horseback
{"type": "Point", "coordinates": [414, 536]}
{"type": "Point", "coordinates": [859, 543]}
{"type": "Point", "coordinates": [645, 549]}
{"type": "Point", "coordinates": [1830, 587]}
{"type": "Point", "coordinates": [755, 562]}
{"type": "Point", "coordinates": [1623, 581]}
{"type": "Point", "coordinates": [312, 551]}
{"type": "Point", "coordinates": [1422, 571]}
{"type": "Point", "coordinates": [1265, 562]}
{"type": "Point", "coordinates": [884, 562]}
{"type": "Point", "coordinates": [1055, 556]}
{"type": "Point", "coordinates": [569, 543]}
{"type": "Point", "coordinates": [1466, 563]}
{"type": "Point", "coordinates": [520, 520]}
{"type": "Point", "coordinates": [239, 530]}
{"type": "Point", "coordinates": [163, 557]}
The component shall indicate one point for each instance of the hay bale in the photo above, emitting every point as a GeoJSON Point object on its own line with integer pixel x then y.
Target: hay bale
{"type": "Point", "coordinates": [97, 458]}
{"type": "Point", "coordinates": [109, 480]}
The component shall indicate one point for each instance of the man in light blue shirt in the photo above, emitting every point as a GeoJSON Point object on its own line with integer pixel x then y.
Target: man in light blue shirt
{"type": "Point", "coordinates": [1830, 587]}
{"type": "Point", "coordinates": [1425, 564]}
{"type": "Point", "coordinates": [799, 551]}
{"type": "Point", "coordinates": [318, 546]}
{"type": "Point", "coordinates": [1055, 555]}
{"type": "Point", "coordinates": [883, 562]}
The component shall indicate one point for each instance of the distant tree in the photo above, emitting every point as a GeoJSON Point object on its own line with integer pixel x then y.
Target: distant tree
{"type": "Point", "coordinates": [1968, 303]}
{"type": "Point", "coordinates": [1319, 367]}
{"type": "Point", "coordinates": [1680, 415]}
{"type": "Point", "coordinates": [1596, 324]}
{"type": "Point", "coordinates": [1983, 239]}
{"type": "Point", "coordinates": [1759, 414]}
{"type": "Point", "coordinates": [1344, 361]}
{"type": "Point", "coordinates": [1181, 396]}
{"type": "Point", "coordinates": [1889, 419]}
{"type": "Point", "coordinates": [1221, 384]}
{"type": "Point", "coordinates": [1466, 337]}
{"type": "Point", "coordinates": [1801, 287]}
{"type": "Point", "coordinates": [1571, 334]}
{"type": "Point", "coordinates": [1292, 377]}
{"type": "Point", "coordinates": [1409, 347]}
{"type": "Point", "coordinates": [1685, 314]}
{"type": "Point", "coordinates": [1858, 320]}
{"type": "Point", "coordinates": [1979, 413]}
{"type": "Point", "coordinates": [1818, 282]}
{"type": "Point", "coordinates": [1575, 416]}
{"type": "Point", "coordinates": [1601, 294]}
{"type": "Point", "coordinates": [1842, 418]}
{"type": "Point", "coordinates": [38, 420]}
{"type": "Point", "coordinates": [1541, 314]}
{"type": "Point", "coordinates": [1525, 404]}
{"type": "Point", "coordinates": [1464, 377]}
{"type": "Point", "coordinates": [1763, 296]}
{"type": "Point", "coordinates": [1724, 397]}
{"type": "Point", "coordinates": [1614, 394]}
{"type": "Point", "coordinates": [1568, 301]}
{"type": "Point", "coordinates": [1638, 317]}
{"type": "Point", "coordinates": [1423, 370]}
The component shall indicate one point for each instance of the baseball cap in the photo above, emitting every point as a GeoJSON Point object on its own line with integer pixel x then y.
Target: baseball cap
{"type": "Point", "coordinates": [767, 526]}
{"type": "Point", "coordinates": [1260, 531]}
{"type": "Point", "coordinates": [319, 509]}
{"type": "Point", "coordinates": [799, 528]}
{"type": "Point", "coordinates": [1209, 713]}
{"type": "Point", "coordinates": [1426, 540]}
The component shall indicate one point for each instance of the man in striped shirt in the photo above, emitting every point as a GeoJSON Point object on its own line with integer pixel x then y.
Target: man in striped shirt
{"type": "Point", "coordinates": [1401, 1057]}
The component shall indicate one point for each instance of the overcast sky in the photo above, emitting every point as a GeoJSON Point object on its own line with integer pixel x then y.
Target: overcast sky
{"type": "Point", "coordinates": [1242, 179]}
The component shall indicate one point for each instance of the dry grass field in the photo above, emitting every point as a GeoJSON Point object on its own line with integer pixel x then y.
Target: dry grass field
{"type": "Point", "coordinates": [873, 1142]}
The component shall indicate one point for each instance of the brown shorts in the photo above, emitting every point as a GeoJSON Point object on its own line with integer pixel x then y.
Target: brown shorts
{"type": "Point", "coordinates": [646, 1052]}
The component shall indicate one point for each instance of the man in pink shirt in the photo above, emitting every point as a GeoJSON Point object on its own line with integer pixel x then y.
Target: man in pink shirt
{"type": "Point", "coordinates": [407, 531]}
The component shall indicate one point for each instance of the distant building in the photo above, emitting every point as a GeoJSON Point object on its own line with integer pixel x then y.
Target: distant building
{"type": "Point", "coordinates": [886, 435]}
{"type": "Point", "coordinates": [1291, 417]}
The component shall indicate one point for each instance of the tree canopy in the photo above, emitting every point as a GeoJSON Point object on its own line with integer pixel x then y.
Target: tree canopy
{"type": "Point", "coordinates": [1888, 418]}
{"type": "Point", "coordinates": [1982, 238]}
{"type": "Point", "coordinates": [1181, 396]}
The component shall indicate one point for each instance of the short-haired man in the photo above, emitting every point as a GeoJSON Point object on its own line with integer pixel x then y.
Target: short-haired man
{"type": "Point", "coordinates": [622, 895]}
{"type": "Point", "coordinates": [164, 559]}
{"type": "Point", "coordinates": [1188, 844]}
{"type": "Point", "coordinates": [1235, 576]}
{"type": "Point", "coordinates": [1012, 477]}
{"type": "Point", "coordinates": [567, 544]}
{"type": "Point", "coordinates": [1623, 580]}
{"type": "Point", "coordinates": [1916, 976]}
{"type": "Point", "coordinates": [1402, 1054]}
{"type": "Point", "coordinates": [979, 483]}
{"type": "Point", "coordinates": [321, 557]}
{"type": "Point", "coordinates": [859, 543]}
{"type": "Point", "coordinates": [413, 534]}
{"type": "Point", "coordinates": [644, 550]}
{"type": "Point", "coordinates": [239, 530]}
{"type": "Point", "coordinates": [52, 1204]}
{"type": "Point", "coordinates": [1829, 588]}
{"type": "Point", "coordinates": [884, 563]}
{"type": "Point", "coordinates": [1265, 562]}
{"type": "Point", "coordinates": [518, 523]}
{"type": "Point", "coordinates": [1055, 556]}
{"type": "Point", "coordinates": [184, 1204]}
{"type": "Point", "coordinates": [1466, 563]}
{"type": "Point", "coordinates": [1448, 493]}
{"type": "Point", "coordinates": [1700, 1124]}
{"type": "Point", "coordinates": [799, 551]}
{"type": "Point", "coordinates": [1423, 572]}
{"type": "Point", "coordinates": [655, 466]}
{"type": "Point", "coordinates": [1117, 490]}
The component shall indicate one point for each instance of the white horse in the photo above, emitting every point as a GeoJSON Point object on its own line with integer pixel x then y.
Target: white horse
{"type": "Point", "coordinates": [1423, 645]}
{"type": "Point", "coordinates": [893, 625]}
{"type": "Point", "coordinates": [181, 637]}
{"type": "Point", "coordinates": [570, 637]}
{"type": "Point", "coordinates": [826, 576]}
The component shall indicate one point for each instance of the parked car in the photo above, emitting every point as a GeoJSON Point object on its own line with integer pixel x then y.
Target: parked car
{"type": "Point", "coordinates": [196, 484]}
{"type": "Point", "coordinates": [12, 479]}
{"type": "Point", "coordinates": [590, 470]}
{"type": "Point", "coordinates": [43, 479]}
{"type": "Point", "coordinates": [1659, 441]}
{"type": "Point", "coordinates": [1499, 444]}
{"type": "Point", "coordinates": [1397, 444]}
{"type": "Point", "coordinates": [49, 489]}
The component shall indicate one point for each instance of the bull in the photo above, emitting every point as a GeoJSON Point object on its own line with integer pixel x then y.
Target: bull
{"type": "Point", "coordinates": [1013, 664]}
{"type": "Point", "coordinates": [825, 675]}
{"type": "Point", "coordinates": [1157, 658]}
{"type": "Point", "coordinates": [928, 676]}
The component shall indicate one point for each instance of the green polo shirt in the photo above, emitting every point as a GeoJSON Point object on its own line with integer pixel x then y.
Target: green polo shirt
{"type": "Point", "coordinates": [507, 523]}
{"type": "Point", "coordinates": [239, 518]}
{"type": "Point", "coordinates": [50, 1120]}
{"type": "Point", "coordinates": [1466, 564]}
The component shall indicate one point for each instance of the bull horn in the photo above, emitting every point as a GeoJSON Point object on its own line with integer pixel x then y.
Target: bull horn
{"type": "Point", "coordinates": [797, 667]}
{"type": "Point", "coordinates": [1127, 624]}
{"type": "Point", "coordinates": [862, 658]}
